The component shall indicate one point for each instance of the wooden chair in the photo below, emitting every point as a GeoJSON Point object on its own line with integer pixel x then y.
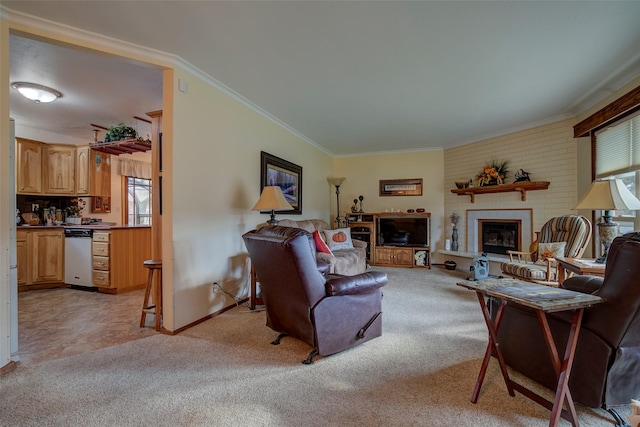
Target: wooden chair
{"type": "Point", "coordinates": [573, 231]}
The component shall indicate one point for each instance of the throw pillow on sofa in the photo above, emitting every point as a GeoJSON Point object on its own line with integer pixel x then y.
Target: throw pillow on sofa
{"type": "Point", "coordinates": [338, 239]}
{"type": "Point", "coordinates": [321, 246]}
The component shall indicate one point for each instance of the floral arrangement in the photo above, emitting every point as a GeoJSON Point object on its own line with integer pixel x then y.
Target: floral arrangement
{"type": "Point", "coordinates": [74, 209]}
{"type": "Point", "coordinates": [494, 173]}
{"type": "Point", "coordinates": [455, 218]}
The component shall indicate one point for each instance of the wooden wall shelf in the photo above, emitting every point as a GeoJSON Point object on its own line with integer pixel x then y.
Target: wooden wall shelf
{"type": "Point", "coordinates": [521, 187]}
{"type": "Point", "coordinates": [125, 146]}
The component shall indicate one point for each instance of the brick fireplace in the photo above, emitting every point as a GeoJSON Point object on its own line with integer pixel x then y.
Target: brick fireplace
{"type": "Point", "coordinates": [498, 230]}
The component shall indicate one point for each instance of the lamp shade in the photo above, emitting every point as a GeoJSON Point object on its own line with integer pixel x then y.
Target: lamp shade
{"type": "Point", "coordinates": [610, 194]}
{"type": "Point", "coordinates": [272, 199]}
{"type": "Point", "coordinates": [337, 181]}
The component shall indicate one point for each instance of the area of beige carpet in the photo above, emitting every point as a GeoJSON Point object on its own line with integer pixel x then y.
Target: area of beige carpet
{"type": "Point", "coordinates": [224, 372]}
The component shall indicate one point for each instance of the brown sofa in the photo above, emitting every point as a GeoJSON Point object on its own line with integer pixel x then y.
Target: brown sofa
{"type": "Point", "coordinates": [347, 262]}
{"type": "Point", "coordinates": [330, 313]}
{"type": "Point", "coordinates": [606, 369]}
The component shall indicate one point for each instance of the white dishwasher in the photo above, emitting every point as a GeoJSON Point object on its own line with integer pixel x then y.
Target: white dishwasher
{"type": "Point", "coordinates": [77, 256]}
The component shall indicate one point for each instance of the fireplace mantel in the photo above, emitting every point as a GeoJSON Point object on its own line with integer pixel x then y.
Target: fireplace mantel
{"type": "Point", "coordinates": [521, 187]}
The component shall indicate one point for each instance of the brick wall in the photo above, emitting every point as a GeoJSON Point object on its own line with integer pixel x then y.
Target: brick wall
{"type": "Point", "coordinates": [548, 153]}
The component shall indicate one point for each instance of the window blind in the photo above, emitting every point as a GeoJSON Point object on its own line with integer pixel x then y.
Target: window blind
{"type": "Point", "coordinates": [618, 148]}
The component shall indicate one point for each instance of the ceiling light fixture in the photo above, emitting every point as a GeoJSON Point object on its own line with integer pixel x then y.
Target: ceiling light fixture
{"type": "Point", "coordinates": [35, 92]}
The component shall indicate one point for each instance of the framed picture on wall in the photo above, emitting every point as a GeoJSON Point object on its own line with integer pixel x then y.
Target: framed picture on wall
{"type": "Point", "coordinates": [401, 187]}
{"type": "Point", "coordinates": [284, 174]}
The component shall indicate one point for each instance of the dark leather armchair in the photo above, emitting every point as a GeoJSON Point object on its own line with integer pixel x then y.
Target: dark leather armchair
{"type": "Point", "coordinates": [606, 369]}
{"type": "Point", "coordinates": [330, 313]}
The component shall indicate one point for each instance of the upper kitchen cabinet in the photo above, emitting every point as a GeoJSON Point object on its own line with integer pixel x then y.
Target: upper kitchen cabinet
{"type": "Point", "coordinates": [59, 169]}
{"type": "Point", "coordinates": [99, 173]}
{"type": "Point", "coordinates": [82, 171]}
{"type": "Point", "coordinates": [29, 168]}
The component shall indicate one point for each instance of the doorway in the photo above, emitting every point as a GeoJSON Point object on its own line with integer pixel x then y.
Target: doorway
{"type": "Point", "coordinates": [97, 89]}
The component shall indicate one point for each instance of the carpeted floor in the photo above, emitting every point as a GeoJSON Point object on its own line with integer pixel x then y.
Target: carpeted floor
{"type": "Point", "coordinates": [224, 372]}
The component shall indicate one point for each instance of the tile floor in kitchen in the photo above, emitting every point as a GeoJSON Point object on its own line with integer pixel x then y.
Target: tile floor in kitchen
{"type": "Point", "coordinates": [57, 323]}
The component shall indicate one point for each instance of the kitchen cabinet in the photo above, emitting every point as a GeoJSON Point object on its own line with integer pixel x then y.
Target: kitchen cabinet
{"type": "Point", "coordinates": [59, 169]}
{"type": "Point", "coordinates": [40, 256]}
{"type": "Point", "coordinates": [82, 171]}
{"type": "Point", "coordinates": [47, 251]}
{"type": "Point", "coordinates": [100, 204]}
{"type": "Point", "coordinates": [100, 259]}
{"type": "Point", "coordinates": [99, 173]}
{"type": "Point", "coordinates": [22, 256]}
{"type": "Point", "coordinates": [117, 257]}
{"type": "Point", "coordinates": [29, 166]}
{"type": "Point", "coordinates": [56, 169]}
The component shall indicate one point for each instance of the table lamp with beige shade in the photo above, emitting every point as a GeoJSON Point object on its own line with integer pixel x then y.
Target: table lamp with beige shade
{"type": "Point", "coordinates": [608, 195]}
{"type": "Point", "coordinates": [272, 200]}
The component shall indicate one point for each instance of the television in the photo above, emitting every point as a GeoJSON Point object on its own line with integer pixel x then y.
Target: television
{"type": "Point", "coordinates": [403, 231]}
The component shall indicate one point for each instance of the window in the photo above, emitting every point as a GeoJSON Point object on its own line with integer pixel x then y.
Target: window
{"type": "Point", "coordinates": [138, 201]}
{"type": "Point", "coordinates": [629, 220]}
{"type": "Point", "coordinates": [618, 156]}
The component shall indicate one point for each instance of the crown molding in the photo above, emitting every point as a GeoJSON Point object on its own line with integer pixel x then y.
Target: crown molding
{"type": "Point", "coordinates": [620, 77]}
{"type": "Point", "coordinates": [256, 108]}
{"type": "Point", "coordinates": [29, 24]}
{"type": "Point", "coordinates": [388, 152]}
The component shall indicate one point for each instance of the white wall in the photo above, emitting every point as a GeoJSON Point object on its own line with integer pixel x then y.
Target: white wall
{"type": "Point", "coordinates": [214, 182]}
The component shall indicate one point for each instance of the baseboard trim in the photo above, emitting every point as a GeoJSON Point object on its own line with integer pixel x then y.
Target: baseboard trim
{"type": "Point", "coordinates": [197, 322]}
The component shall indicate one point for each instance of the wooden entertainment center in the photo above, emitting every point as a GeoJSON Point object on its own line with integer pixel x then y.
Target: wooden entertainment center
{"type": "Point", "coordinates": [365, 227]}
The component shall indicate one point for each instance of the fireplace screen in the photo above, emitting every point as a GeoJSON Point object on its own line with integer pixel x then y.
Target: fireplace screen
{"type": "Point", "coordinates": [499, 236]}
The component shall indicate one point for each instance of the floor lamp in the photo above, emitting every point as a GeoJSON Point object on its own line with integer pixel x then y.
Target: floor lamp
{"type": "Point", "coordinates": [272, 200]}
{"type": "Point", "coordinates": [608, 195]}
{"type": "Point", "coordinates": [337, 182]}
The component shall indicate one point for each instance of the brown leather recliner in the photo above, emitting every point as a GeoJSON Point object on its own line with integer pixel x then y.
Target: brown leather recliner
{"type": "Point", "coordinates": [330, 313]}
{"type": "Point", "coordinates": [606, 368]}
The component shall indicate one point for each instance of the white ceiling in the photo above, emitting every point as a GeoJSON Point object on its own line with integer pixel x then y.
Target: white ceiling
{"type": "Point", "coordinates": [352, 77]}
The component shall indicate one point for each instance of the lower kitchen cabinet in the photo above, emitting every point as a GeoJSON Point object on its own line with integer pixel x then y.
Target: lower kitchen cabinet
{"type": "Point", "coordinates": [117, 258]}
{"type": "Point", "coordinates": [22, 256]}
{"type": "Point", "coordinates": [40, 256]}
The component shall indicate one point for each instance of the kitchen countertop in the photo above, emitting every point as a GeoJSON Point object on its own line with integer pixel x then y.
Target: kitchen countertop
{"type": "Point", "coordinates": [89, 226]}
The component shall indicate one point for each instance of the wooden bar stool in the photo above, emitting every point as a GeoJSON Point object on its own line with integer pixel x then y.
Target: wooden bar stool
{"type": "Point", "coordinates": [147, 306]}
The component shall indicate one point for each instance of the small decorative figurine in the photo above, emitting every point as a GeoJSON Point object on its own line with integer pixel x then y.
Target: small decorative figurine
{"type": "Point", "coordinates": [361, 199]}
{"type": "Point", "coordinates": [522, 176]}
{"type": "Point", "coordinates": [354, 208]}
